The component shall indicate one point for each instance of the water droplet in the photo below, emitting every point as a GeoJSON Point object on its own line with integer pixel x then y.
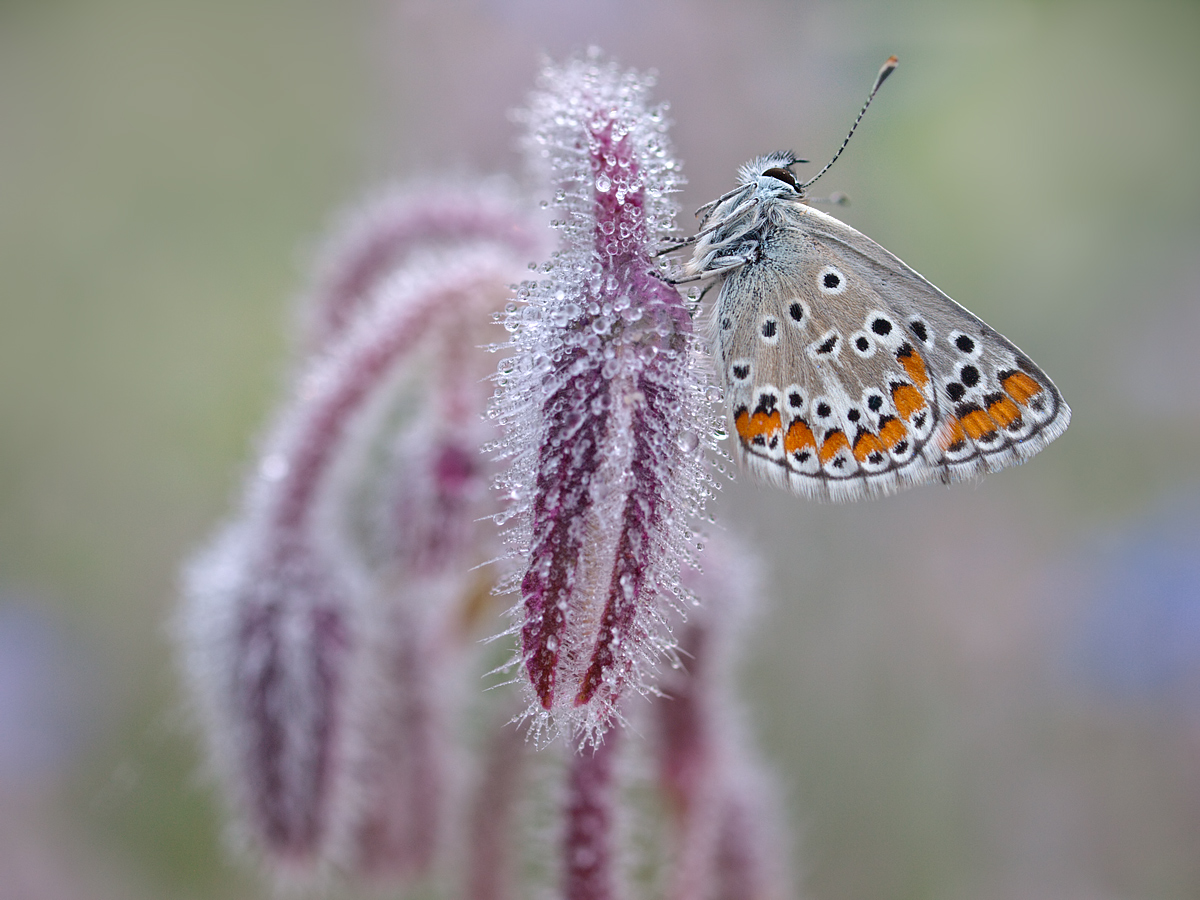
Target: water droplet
{"type": "Point", "coordinates": [688, 441]}
{"type": "Point", "coordinates": [603, 183]}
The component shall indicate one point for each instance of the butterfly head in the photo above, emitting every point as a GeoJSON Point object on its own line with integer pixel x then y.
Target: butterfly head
{"type": "Point", "coordinates": [771, 176]}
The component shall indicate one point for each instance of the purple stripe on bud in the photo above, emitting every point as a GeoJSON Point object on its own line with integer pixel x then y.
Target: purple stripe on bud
{"type": "Point", "coordinates": [289, 658]}
{"type": "Point", "coordinates": [637, 541]}
{"type": "Point", "coordinates": [562, 501]}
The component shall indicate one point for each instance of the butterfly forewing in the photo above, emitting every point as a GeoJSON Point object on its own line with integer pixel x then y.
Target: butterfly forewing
{"type": "Point", "coordinates": [847, 374]}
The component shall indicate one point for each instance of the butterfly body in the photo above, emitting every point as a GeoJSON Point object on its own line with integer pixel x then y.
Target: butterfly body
{"type": "Point", "coordinates": [846, 373]}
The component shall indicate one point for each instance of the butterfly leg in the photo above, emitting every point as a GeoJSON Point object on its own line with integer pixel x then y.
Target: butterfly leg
{"type": "Point", "coordinates": [676, 244]}
{"type": "Point", "coordinates": [723, 265]}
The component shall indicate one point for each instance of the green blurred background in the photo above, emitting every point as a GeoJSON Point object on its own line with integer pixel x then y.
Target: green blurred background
{"type": "Point", "coordinates": [989, 691]}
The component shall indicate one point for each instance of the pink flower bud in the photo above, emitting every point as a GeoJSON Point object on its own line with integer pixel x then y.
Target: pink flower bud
{"type": "Point", "coordinates": [603, 405]}
{"type": "Point", "coordinates": [376, 237]}
{"type": "Point", "coordinates": [286, 611]}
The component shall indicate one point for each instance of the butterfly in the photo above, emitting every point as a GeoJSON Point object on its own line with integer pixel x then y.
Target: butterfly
{"type": "Point", "coordinates": [846, 373]}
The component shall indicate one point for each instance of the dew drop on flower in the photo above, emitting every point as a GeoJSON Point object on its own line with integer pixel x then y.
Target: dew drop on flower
{"type": "Point", "coordinates": [603, 183]}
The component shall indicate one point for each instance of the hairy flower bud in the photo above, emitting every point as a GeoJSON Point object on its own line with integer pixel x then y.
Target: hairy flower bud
{"type": "Point", "coordinates": [603, 402]}
{"type": "Point", "coordinates": [295, 632]}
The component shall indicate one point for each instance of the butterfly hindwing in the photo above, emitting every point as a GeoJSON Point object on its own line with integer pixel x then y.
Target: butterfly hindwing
{"type": "Point", "coordinates": [998, 407]}
{"type": "Point", "coordinates": [847, 374]}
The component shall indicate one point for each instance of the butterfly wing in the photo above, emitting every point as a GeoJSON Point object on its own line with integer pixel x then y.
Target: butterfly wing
{"type": "Point", "coordinates": [849, 375]}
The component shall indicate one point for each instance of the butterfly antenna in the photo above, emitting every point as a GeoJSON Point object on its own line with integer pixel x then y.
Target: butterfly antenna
{"type": "Point", "coordinates": [888, 68]}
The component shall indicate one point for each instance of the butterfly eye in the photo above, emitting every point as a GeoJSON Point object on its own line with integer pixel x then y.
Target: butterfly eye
{"type": "Point", "coordinates": [783, 175]}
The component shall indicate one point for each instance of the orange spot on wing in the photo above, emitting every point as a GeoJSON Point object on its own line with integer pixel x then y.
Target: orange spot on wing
{"type": "Point", "coordinates": [865, 445]}
{"type": "Point", "coordinates": [892, 432]}
{"type": "Point", "coordinates": [759, 425]}
{"type": "Point", "coordinates": [741, 422]}
{"type": "Point", "coordinates": [907, 399]}
{"type": "Point", "coordinates": [834, 441]}
{"type": "Point", "coordinates": [977, 423]}
{"type": "Point", "coordinates": [951, 434]}
{"type": "Point", "coordinates": [799, 436]}
{"type": "Point", "coordinates": [1005, 412]}
{"type": "Point", "coordinates": [913, 365]}
{"type": "Point", "coordinates": [1021, 387]}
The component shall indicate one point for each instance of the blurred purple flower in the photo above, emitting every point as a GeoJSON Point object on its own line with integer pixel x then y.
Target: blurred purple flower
{"type": "Point", "coordinates": [326, 630]}
{"type": "Point", "coordinates": [46, 694]}
{"type": "Point", "coordinates": [603, 404]}
{"type": "Point", "coordinates": [1138, 631]}
{"type": "Point", "coordinates": [295, 628]}
{"type": "Point", "coordinates": [730, 841]}
{"type": "Point", "coordinates": [376, 237]}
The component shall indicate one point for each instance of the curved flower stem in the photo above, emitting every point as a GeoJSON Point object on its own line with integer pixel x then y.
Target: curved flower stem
{"type": "Point", "coordinates": [589, 869]}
